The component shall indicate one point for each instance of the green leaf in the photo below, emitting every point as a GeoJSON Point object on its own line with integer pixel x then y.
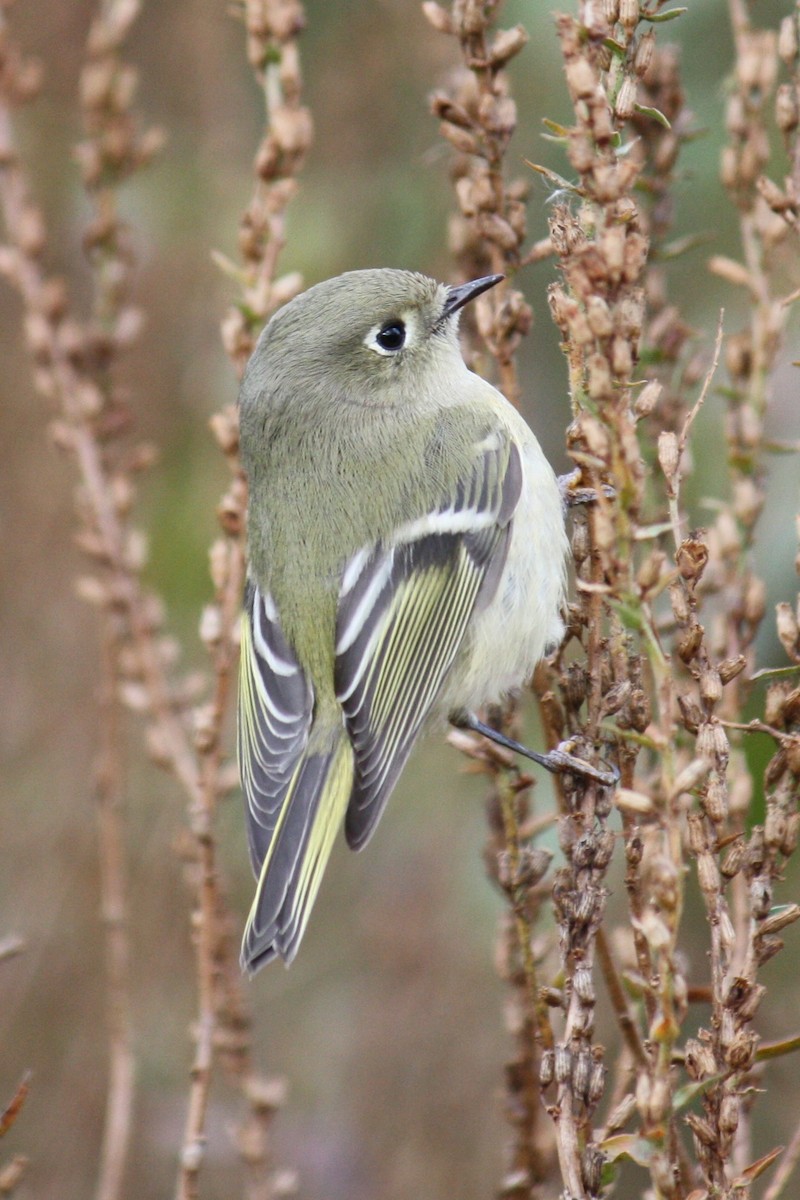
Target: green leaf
{"type": "Point", "coordinates": [778, 1049]}
{"type": "Point", "coordinates": [615, 47]}
{"type": "Point", "coordinates": [684, 1096]}
{"type": "Point", "coordinates": [660, 18]}
{"type": "Point", "coordinates": [553, 177]}
{"type": "Point", "coordinates": [757, 1168]}
{"type": "Point", "coordinates": [628, 1145]}
{"type": "Point", "coordinates": [559, 131]}
{"type": "Point", "coordinates": [775, 672]}
{"type": "Point", "coordinates": [655, 114]}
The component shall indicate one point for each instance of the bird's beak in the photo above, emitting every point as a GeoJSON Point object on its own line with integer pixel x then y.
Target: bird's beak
{"type": "Point", "coordinates": [457, 297]}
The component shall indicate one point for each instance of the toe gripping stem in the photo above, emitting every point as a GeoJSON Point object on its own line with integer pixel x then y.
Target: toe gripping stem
{"type": "Point", "coordinates": [558, 760]}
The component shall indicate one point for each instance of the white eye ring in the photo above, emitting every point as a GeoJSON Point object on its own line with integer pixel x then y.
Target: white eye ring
{"type": "Point", "coordinates": [389, 338]}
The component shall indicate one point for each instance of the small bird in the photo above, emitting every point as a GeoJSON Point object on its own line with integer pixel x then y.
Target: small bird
{"type": "Point", "coordinates": [407, 556]}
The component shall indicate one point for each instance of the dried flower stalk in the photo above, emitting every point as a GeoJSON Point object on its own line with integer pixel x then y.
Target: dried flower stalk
{"type": "Point", "coordinates": [477, 117]}
{"type": "Point", "coordinates": [74, 364]}
{"type": "Point", "coordinates": [662, 682]}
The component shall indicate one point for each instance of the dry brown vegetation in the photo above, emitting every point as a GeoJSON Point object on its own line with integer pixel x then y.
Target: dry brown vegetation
{"type": "Point", "coordinates": [658, 674]}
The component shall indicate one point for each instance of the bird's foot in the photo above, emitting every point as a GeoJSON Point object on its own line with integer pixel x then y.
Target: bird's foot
{"type": "Point", "coordinates": [572, 495]}
{"type": "Point", "coordinates": [558, 760]}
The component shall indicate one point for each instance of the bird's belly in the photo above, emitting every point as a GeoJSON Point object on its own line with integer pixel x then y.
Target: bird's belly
{"type": "Point", "coordinates": [523, 619]}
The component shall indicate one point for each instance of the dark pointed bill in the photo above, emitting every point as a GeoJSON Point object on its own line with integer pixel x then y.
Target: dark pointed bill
{"type": "Point", "coordinates": [457, 297]}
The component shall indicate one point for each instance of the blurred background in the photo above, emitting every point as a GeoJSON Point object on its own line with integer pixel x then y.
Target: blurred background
{"type": "Point", "coordinates": [389, 1027]}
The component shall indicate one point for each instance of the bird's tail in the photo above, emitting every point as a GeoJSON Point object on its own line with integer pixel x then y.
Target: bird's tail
{"type": "Point", "coordinates": [312, 811]}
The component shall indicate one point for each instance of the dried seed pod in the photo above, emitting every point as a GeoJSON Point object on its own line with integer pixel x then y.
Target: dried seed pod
{"type": "Point", "coordinates": [710, 687]}
{"type": "Point", "coordinates": [760, 897]}
{"type": "Point", "coordinates": [787, 41]}
{"type": "Point", "coordinates": [650, 572]}
{"type": "Point", "coordinates": [547, 1068]}
{"type": "Point", "coordinates": [729, 668]}
{"type": "Point", "coordinates": [463, 141]}
{"type": "Point", "coordinates": [604, 850]}
{"type": "Point", "coordinates": [774, 826]}
{"type": "Point", "coordinates": [582, 1064]}
{"type": "Point", "coordinates": [788, 629]}
{"type": "Point", "coordinates": [756, 852]}
{"type": "Point", "coordinates": [621, 1113]}
{"type": "Point", "coordinates": [680, 603]}
{"type": "Point", "coordinates": [587, 905]}
{"type": "Point", "coordinates": [690, 643]}
{"type": "Point", "coordinates": [599, 316]}
{"type": "Point", "coordinates": [786, 915]}
{"type": "Point", "coordinates": [699, 1060]}
{"type": "Point", "coordinates": [690, 711]}
{"type": "Point", "coordinates": [696, 834]}
{"type": "Point", "coordinates": [628, 13]}
{"type": "Point", "coordinates": [789, 844]}
{"type": "Point", "coordinates": [644, 53]}
{"type": "Point", "coordinates": [750, 1002]}
{"type": "Point", "coordinates": [729, 1113]}
{"type": "Point", "coordinates": [767, 948]}
{"type": "Point", "coordinates": [592, 1162]}
{"type": "Point", "coordinates": [712, 741]}
{"type": "Point", "coordinates": [692, 557]}
{"type": "Point", "coordinates": [497, 230]}
{"type": "Point", "coordinates": [693, 774]}
{"type": "Point", "coordinates": [437, 16]}
{"type": "Point", "coordinates": [562, 1063]}
{"type": "Point", "coordinates": [740, 1053]}
{"type": "Point", "coordinates": [708, 875]}
{"type": "Point", "coordinates": [702, 1129]}
{"type": "Point", "coordinates": [598, 382]}
{"type": "Point", "coordinates": [748, 501]}
{"type": "Point", "coordinates": [629, 801]}
{"type": "Point", "coordinates": [614, 699]}
{"type": "Point", "coordinates": [581, 78]}
{"type": "Point", "coordinates": [576, 687]}
{"type": "Point", "coordinates": [597, 1083]}
{"type": "Point", "coordinates": [775, 704]}
{"type": "Point", "coordinates": [506, 44]}
{"type": "Point", "coordinates": [660, 1100]}
{"type": "Point", "coordinates": [581, 542]}
{"type": "Point", "coordinates": [715, 800]}
{"type": "Point", "coordinates": [583, 985]}
{"type": "Point", "coordinates": [644, 1087]}
{"type": "Point", "coordinates": [626, 99]}
{"type": "Point", "coordinates": [647, 399]}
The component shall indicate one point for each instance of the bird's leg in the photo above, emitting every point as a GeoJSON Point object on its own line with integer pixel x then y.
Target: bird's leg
{"type": "Point", "coordinates": [557, 761]}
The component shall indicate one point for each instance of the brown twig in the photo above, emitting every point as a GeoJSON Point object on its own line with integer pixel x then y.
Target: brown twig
{"type": "Point", "coordinates": [109, 790]}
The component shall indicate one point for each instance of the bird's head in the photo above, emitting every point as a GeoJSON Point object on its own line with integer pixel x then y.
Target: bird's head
{"type": "Point", "coordinates": [378, 338]}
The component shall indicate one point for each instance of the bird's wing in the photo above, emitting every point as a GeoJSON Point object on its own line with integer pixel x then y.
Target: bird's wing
{"type": "Point", "coordinates": [275, 707]}
{"type": "Point", "coordinates": [295, 800]}
{"type": "Point", "coordinates": [403, 612]}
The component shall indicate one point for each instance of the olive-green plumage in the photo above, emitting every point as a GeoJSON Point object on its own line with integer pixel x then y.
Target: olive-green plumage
{"type": "Point", "coordinates": [406, 560]}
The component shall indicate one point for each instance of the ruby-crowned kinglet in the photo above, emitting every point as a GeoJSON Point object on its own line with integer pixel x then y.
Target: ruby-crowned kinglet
{"type": "Point", "coordinates": [406, 561]}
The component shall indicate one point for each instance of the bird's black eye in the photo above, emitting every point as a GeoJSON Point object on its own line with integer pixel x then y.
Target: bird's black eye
{"type": "Point", "coordinates": [391, 336]}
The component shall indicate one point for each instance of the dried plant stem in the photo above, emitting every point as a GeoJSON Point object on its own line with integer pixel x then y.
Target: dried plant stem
{"type": "Point", "coordinates": [117, 1127]}
{"type": "Point", "coordinates": [272, 27]}
{"type": "Point", "coordinates": [73, 368]}
{"type": "Point", "coordinates": [619, 1003]}
{"type": "Point", "coordinates": [478, 117]}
